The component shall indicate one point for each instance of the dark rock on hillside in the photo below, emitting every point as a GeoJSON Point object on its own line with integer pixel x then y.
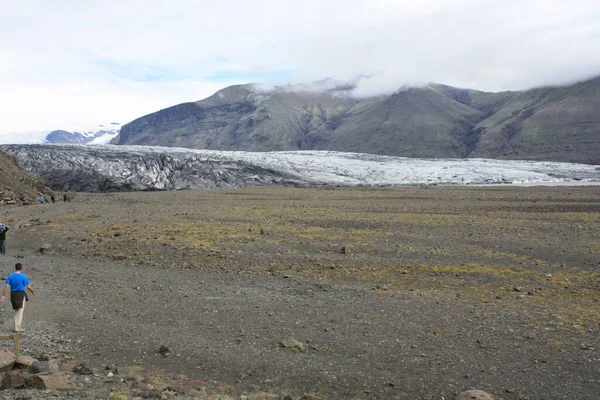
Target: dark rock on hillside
{"type": "Point", "coordinates": [553, 123]}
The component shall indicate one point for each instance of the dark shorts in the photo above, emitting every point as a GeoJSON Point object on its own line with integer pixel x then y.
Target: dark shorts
{"type": "Point", "coordinates": [17, 299]}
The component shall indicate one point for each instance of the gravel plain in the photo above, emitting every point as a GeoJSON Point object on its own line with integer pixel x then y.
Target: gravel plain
{"type": "Point", "coordinates": [345, 293]}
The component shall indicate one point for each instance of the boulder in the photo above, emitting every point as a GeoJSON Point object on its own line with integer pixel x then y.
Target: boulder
{"type": "Point", "coordinates": [38, 367]}
{"type": "Point", "coordinates": [473, 395]}
{"type": "Point", "coordinates": [25, 360]}
{"type": "Point", "coordinates": [292, 344]}
{"type": "Point", "coordinates": [47, 382]}
{"type": "Point", "coordinates": [82, 369]}
{"type": "Point", "coordinates": [112, 368]}
{"type": "Point", "coordinates": [163, 350]}
{"type": "Point", "coordinates": [13, 380]}
{"type": "Point", "coordinates": [45, 247]}
{"type": "Point", "coordinates": [7, 360]}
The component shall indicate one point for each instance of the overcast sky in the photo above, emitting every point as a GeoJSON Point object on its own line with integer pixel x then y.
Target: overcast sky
{"type": "Point", "coordinates": [81, 62]}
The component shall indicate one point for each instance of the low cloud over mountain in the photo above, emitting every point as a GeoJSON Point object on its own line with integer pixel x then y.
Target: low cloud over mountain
{"type": "Point", "coordinates": [550, 123]}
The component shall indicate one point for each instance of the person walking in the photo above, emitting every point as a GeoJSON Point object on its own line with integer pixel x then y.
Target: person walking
{"type": "Point", "coordinates": [3, 229]}
{"type": "Point", "coordinates": [17, 282]}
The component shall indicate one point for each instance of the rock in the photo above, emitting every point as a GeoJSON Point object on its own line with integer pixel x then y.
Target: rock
{"type": "Point", "coordinates": [112, 368]}
{"type": "Point", "coordinates": [38, 367]}
{"type": "Point", "coordinates": [7, 360]}
{"type": "Point", "coordinates": [149, 393]}
{"type": "Point", "coordinates": [163, 350]}
{"type": "Point", "coordinates": [47, 382]}
{"type": "Point", "coordinates": [82, 369]}
{"type": "Point", "coordinates": [25, 360]}
{"type": "Point", "coordinates": [292, 344]}
{"type": "Point", "coordinates": [118, 257]}
{"type": "Point", "coordinates": [10, 202]}
{"type": "Point", "coordinates": [45, 247]}
{"type": "Point", "coordinates": [13, 380]}
{"type": "Point", "coordinates": [473, 395]}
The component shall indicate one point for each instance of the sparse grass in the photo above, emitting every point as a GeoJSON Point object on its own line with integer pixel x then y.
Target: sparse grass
{"type": "Point", "coordinates": [481, 243]}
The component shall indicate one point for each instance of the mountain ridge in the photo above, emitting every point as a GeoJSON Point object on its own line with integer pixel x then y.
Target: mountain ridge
{"type": "Point", "coordinates": [546, 124]}
{"type": "Point", "coordinates": [98, 135]}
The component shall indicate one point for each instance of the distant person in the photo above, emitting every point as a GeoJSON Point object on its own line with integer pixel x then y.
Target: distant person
{"type": "Point", "coordinates": [3, 229]}
{"type": "Point", "coordinates": [17, 282]}
{"type": "Point", "coordinates": [42, 200]}
{"type": "Point", "coordinates": [52, 198]}
{"type": "Point", "coordinates": [65, 197]}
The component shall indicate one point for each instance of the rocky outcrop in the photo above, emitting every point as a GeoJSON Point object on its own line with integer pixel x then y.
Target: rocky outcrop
{"type": "Point", "coordinates": [553, 123]}
{"type": "Point", "coordinates": [16, 186]}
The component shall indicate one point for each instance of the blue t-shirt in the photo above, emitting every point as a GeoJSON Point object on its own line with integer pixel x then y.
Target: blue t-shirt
{"type": "Point", "coordinates": [17, 281]}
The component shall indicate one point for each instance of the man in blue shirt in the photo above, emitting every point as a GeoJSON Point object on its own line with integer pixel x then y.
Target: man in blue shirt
{"type": "Point", "coordinates": [18, 282]}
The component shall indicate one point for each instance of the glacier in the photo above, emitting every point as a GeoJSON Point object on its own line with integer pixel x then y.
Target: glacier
{"type": "Point", "coordinates": [105, 168]}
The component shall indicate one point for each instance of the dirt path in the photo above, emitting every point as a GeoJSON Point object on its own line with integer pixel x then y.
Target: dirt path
{"type": "Point", "coordinates": [346, 338]}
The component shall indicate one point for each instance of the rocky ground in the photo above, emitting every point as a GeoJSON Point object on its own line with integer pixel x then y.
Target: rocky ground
{"type": "Point", "coordinates": [16, 187]}
{"type": "Point", "coordinates": [355, 293]}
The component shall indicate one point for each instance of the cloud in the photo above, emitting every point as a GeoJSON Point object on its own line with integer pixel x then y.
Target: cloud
{"type": "Point", "coordinates": [326, 85]}
{"type": "Point", "coordinates": [65, 60]}
{"type": "Point", "coordinates": [67, 105]}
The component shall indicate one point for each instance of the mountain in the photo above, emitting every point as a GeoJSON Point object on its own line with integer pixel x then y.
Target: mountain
{"type": "Point", "coordinates": [98, 135]}
{"type": "Point", "coordinates": [16, 186]}
{"type": "Point", "coordinates": [552, 123]}
{"type": "Point", "coordinates": [129, 168]}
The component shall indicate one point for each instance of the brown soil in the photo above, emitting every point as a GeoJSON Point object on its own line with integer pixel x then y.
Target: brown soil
{"type": "Point", "coordinates": [391, 293]}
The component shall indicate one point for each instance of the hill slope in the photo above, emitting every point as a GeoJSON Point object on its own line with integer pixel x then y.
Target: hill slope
{"type": "Point", "coordinates": [558, 124]}
{"type": "Point", "coordinates": [16, 187]}
{"type": "Point", "coordinates": [545, 124]}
